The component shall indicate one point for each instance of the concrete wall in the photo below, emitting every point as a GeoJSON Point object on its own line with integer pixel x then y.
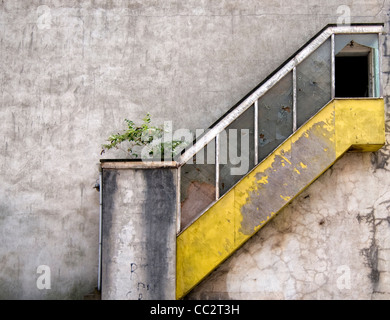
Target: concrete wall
{"type": "Point", "coordinates": [71, 71]}
{"type": "Point", "coordinates": [139, 234]}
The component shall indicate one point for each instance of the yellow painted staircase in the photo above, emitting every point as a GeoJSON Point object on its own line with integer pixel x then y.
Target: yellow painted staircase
{"type": "Point", "coordinates": [342, 125]}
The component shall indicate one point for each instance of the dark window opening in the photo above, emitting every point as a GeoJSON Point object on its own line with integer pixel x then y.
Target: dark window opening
{"type": "Point", "coordinates": [351, 76]}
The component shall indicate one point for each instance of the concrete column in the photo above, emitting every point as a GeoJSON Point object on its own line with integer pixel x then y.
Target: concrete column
{"type": "Point", "coordinates": [139, 231]}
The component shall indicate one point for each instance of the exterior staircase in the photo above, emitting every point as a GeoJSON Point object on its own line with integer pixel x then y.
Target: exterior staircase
{"type": "Point", "coordinates": [297, 129]}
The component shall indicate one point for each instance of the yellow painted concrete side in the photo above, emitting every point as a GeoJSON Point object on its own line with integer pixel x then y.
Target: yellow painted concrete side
{"type": "Point", "coordinates": [232, 220]}
{"type": "Point", "coordinates": [360, 125]}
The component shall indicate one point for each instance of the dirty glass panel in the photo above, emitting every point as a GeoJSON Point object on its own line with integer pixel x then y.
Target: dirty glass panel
{"type": "Point", "coordinates": [197, 184]}
{"type": "Point", "coordinates": [313, 83]}
{"type": "Point", "coordinates": [236, 155]}
{"type": "Point", "coordinates": [275, 116]}
{"type": "Point", "coordinates": [368, 40]}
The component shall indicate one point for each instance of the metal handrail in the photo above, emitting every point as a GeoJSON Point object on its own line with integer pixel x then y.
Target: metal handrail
{"type": "Point", "coordinates": [252, 99]}
{"type": "Point", "coordinates": [288, 67]}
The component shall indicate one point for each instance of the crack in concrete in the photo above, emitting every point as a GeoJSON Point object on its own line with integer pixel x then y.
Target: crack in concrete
{"type": "Point", "coordinates": [371, 253]}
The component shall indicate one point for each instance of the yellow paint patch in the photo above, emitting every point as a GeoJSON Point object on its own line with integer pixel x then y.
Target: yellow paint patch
{"type": "Point", "coordinates": [263, 180]}
{"type": "Point", "coordinates": [297, 171]}
{"type": "Point", "coordinates": [285, 198]}
{"type": "Point", "coordinates": [357, 124]}
{"type": "Point", "coordinates": [353, 117]}
{"type": "Point", "coordinates": [285, 159]}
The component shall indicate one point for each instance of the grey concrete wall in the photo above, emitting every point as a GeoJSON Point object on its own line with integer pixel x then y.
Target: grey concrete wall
{"type": "Point", "coordinates": [71, 71]}
{"type": "Point", "coordinates": [139, 234]}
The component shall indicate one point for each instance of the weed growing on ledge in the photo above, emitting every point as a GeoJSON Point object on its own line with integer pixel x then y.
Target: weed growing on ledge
{"type": "Point", "coordinates": [145, 141]}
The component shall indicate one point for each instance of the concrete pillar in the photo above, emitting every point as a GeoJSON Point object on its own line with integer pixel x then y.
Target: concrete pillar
{"type": "Point", "coordinates": [139, 230]}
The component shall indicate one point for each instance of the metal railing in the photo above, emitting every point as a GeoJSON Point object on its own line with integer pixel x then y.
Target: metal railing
{"type": "Point", "coordinates": [253, 99]}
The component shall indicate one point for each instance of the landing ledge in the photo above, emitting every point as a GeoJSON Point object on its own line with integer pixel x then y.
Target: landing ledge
{"type": "Point", "coordinates": [136, 164]}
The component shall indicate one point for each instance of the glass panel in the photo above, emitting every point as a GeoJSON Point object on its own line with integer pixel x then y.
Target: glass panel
{"type": "Point", "coordinates": [313, 83]}
{"type": "Point", "coordinates": [236, 150]}
{"type": "Point", "coordinates": [368, 40]}
{"type": "Point", "coordinates": [275, 116]}
{"type": "Point", "coordinates": [197, 184]}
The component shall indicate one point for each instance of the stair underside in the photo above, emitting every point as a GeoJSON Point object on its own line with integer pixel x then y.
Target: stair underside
{"type": "Point", "coordinates": [342, 125]}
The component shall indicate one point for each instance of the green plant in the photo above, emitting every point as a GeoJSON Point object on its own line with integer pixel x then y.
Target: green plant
{"type": "Point", "coordinates": [144, 141]}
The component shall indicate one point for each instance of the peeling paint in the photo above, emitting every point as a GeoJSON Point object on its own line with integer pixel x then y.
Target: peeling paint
{"type": "Point", "coordinates": [285, 199]}
{"type": "Point", "coordinates": [251, 204]}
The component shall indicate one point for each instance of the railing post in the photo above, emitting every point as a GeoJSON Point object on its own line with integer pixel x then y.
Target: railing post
{"type": "Point", "coordinates": [294, 99]}
{"type": "Point", "coordinates": [217, 166]}
{"type": "Point", "coordinates": [380, 85]}
{"type": "Point", "coordinates": [333, 67]}
{"type": "Point", "coordinates": [256, 131]}
{"type": "Point", "coordinates": [178, 201]}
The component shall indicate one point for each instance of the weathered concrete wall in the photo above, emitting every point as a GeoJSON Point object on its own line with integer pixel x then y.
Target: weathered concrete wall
{"type": "Point", "coordinates": [71, 71]}
{"type": "Point", "coordinates": [139, 234]}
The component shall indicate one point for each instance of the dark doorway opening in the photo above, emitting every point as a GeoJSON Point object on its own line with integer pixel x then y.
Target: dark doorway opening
{"type": "Point", "coordinates": [352, 77]}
